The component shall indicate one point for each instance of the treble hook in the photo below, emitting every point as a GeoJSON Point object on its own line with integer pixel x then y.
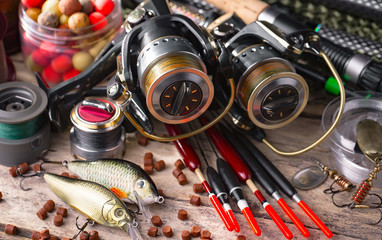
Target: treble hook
{"type": "Point", "coordinates": [23, 177]}
{"type": "Point", "coordinates": [351, 206]}
{"type": "Point", "coordinates": [81, 229]}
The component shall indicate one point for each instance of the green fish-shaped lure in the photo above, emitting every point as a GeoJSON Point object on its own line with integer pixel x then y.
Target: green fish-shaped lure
{"type": "Point", "coordinates": [126, 179]}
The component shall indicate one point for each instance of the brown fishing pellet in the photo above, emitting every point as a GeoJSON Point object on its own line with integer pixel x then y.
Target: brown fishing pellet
{"type": "Point", "coordinates": [62, 211]}
{"type": "Point", "coordinates": [65, 174]}
{"type": "Point", "coordinates": [205, 234]}
{"type": "Point", "coordinates": [58, 220]}
{"type": "Point", "coordinates": [42, 214]}
{"type": "Point", "coordinates": [73, 176]}
{"type": "Point", "coordinates": [84, 235]}
{"type": "Point", "coordinates": [198, 188]}
{"type": "Point", "coordinates": [149, 169]}
{"type": "Point", "coordinates": [49, 206]}
{"type": "Point", "coordinates": [160, 165]}
{"type": "Point", "coordinates": [24, 167]}
{"type": "Point", "coordinates": [167, 231]}
{"type": "Point", "coordinates": [143, 141]}
{"type": "Point", "coordinates": [53, 237]}
{"type": "Point", "coordinates": [182, 214]}
{"type": "Point", "coordinates": [152, 232]}
{"type": "Point", "coordinates": [148, 155]}
{"type": "Point", "coordinates": [36, 167]}
{"type": "Point", "coordinates": [1, 195]}
{"type": "Point", "coordinates": [10, 229]}
{"type": "Point", "coordinates": [93, 235]}
{"type": "Point", "coordinates": [182, 180]}
{"type": "Point", "coordinates": [13, 171]}
{"type": "Point", "coordinates": [156, 220]}
{"type": "Point", "coordinates": [179, 164]}
{"type": "Point", "coordinates": [195, 200]}
{"type": "Point", "coordinates": [195, 231]}
{"type": "Point", "coordinates": [35, 235]}
{"type": "Point", "coordinates": [176, 172]}
{"type": "Point", "coordinates": [186, 235]}
{"type": "Point", "coordinates": [241, 237]}
{"type": "Point", "coordinates": [148, 161]}
{"type": "Point", "coordinates": [44, 234]}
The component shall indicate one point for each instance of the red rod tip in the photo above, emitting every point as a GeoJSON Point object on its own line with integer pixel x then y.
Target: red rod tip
{"type": "Point", "coordinates": [219, 208]}
{"type": "Point", "coordinates": [251, 221]}
{"type": "Point", "coordinates": [315, 219]}
{"type": "Point", "coordinates": [276, 218]}
{"type": "Point", "coordinates": [293, 217]}
{"type": "Point", "coordinates": [233, 220]}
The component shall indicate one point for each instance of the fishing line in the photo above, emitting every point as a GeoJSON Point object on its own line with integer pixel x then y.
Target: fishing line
{"type": "Point", "coordinates": [24, 127]}
{"type": "Point", "coordinates": [97, 130]}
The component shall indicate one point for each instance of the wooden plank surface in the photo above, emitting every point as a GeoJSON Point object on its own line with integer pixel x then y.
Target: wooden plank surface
{"type": "Point", "coordinates": [19, 207]}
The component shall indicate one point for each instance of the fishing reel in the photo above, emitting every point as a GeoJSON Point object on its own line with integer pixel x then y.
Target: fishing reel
{"type": "Point", "coordinates": [164, 63]}
{"type": "Point", "coordinates": [267, 87]}
{"type": "Point", "coordinates": [269, 92]}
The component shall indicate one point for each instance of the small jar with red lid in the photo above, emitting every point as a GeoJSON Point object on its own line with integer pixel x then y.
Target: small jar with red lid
{"type": "Point", "coordinates": [61, 38]}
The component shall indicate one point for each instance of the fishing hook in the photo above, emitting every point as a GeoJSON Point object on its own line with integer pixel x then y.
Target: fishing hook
{"type": "Point", "coordinates": [352, 206]}
{"type": "Point", "coordinates": [81, 229]}
{"type": "Point", "coordinates": [338, 205]}
{"type": "Point", "coordinates": [331, 191]}
{"type": "Point", "coordinates": [380, 219]}
{"type": "Point", "coordinates": [23, 177]}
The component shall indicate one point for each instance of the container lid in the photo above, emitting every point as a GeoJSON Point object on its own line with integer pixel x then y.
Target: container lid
{"type": "Point", "coordinates": [96, 110]}
{"type": "Point", "coordinates": [96, 115]}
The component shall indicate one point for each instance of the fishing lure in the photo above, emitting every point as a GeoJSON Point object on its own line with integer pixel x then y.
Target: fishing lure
{"type": "Point", "coordinates": [127, 180]}
{"type": "Point", "coordinates": [95, 201]}
{"type": "Point", "coordinates": [120, 176]}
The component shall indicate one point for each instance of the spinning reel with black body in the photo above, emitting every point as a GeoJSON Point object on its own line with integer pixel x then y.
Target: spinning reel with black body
{"type": "Point", "coordinates": [269, 92]}
{"type": "Point", "coordinates": [165, 61]}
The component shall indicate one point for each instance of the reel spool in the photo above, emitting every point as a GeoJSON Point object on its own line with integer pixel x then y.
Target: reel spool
{"type": "Point", "coordinates": [24, 129]}
{"type": "Point", "coordinates": [174, 80]}
{"type": "Point", "coordinates": [97, 130]}
{"type": "Point", "coordinates": [268, 87]}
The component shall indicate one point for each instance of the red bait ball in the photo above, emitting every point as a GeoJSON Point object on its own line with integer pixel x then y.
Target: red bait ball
{"type": "Point", "coordinates": [32, 3]}
{"type": "Point", "coordinates": [51, 76]}
{"type": "Point", "coordinates": [98, 20]}
{"type": "Point", "coordinates": [69, 74]}
{"type": "Point", "coordinates": [48, 49]}
{"type": "Point", "coordinates": [62, 64]}
{"type": "Point", "coordinates": [39, 58]}
{"type": "Point", "coordinates": [104, 6]}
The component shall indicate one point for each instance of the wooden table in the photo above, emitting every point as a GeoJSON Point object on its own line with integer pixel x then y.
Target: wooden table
{"type": "Point", "coordinates": [19, 207]}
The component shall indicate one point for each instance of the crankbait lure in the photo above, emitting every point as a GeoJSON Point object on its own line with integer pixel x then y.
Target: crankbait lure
{"type": "Point", "coordinates": [95, 201]}
{"type": "Point", "coordinates": [120, 176]}
{"type": "Point", "coordinates": [126, 179]}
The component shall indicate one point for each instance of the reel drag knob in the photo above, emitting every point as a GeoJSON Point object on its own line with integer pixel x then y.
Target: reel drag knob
{"type": "Point", "coordinates": [280, 103]}
{"type": "Point", "coordinates": [181, 98]}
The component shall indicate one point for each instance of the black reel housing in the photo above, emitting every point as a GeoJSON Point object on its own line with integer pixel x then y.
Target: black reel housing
{"type": "Point", "coordinates": [164, 62]}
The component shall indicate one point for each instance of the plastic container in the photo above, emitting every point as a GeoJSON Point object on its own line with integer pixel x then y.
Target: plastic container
{"type": "Point", "coordinates": [60, 54]}
{"type": "Point", "coordinates": [355, 166]}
